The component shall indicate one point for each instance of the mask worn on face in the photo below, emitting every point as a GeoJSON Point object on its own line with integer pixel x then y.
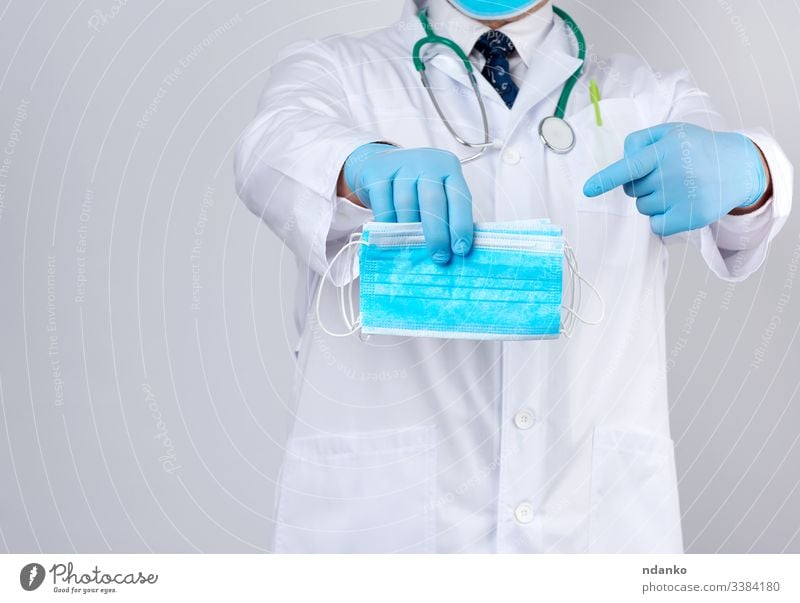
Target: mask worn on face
{"type": "Point", "coordinates": [508, 287]}
{"type": "Point", "coordinates": [488, 10]}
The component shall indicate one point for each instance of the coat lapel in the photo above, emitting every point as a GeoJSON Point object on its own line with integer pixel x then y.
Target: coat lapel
{"type": "Point", "coordinates": [549, 67]}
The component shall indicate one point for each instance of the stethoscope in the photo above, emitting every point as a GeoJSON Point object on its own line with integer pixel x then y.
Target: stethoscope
{"type": "Point", "coordinates": [554, 131]}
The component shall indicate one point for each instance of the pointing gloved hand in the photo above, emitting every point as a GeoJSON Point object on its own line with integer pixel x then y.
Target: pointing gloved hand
{"type": "Point", "coordinates": [415, 185]}
{"type": "Point", "coordinates": [684, 176]}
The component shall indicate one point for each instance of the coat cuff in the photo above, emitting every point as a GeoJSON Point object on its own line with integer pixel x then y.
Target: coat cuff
{"type": "Point", "coordinates": [347, 218]}
{"type": "Point", "coordinates": [734, 247]}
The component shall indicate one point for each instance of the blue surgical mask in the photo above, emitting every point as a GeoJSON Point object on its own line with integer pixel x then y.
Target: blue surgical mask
{"type": "Point", "coordinates": [489, 10]}
{"type": "Point", "coordinates": [508, 287]}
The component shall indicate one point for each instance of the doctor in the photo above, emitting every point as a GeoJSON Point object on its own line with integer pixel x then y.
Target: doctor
{"type": "Point", "coordinates": [429, 445]}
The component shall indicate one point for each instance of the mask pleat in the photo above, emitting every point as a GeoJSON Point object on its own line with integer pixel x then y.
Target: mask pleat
{"type": "Point", "coordinates": [508, 286]}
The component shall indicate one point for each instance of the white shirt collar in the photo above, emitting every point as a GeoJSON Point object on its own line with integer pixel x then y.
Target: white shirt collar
{"type": "Point", "coordinates": [526, 33]}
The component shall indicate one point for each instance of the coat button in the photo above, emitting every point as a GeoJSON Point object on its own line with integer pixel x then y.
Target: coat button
{"type": "Point", "coordinates": [524, 512]}
{"type": "Point", "coordinates": [511, 156]}
{"type": "Point", "coordinates": [524, 419]}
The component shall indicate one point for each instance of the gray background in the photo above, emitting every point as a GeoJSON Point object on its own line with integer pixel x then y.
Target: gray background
{"type": "Point", "coordinates": [148, 416]}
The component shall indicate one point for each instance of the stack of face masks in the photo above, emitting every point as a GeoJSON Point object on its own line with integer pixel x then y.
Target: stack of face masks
{"type": "Point", "coordinates": [509, 286]}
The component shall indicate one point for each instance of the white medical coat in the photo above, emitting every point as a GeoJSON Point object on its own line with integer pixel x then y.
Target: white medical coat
{"type": "Point", "coordinates": [423, 445]}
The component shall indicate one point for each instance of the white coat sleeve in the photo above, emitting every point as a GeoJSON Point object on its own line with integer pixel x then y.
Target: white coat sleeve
{"type": "Point", "coordinates": [735, 246]}
{"type": "Point", "coordinates": [288, 159]}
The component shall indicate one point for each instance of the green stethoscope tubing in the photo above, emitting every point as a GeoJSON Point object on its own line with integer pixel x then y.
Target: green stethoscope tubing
{"type": "Point", "coordinates": [561, 107]}
{"type": "Point", "coordinates": [432, 38]}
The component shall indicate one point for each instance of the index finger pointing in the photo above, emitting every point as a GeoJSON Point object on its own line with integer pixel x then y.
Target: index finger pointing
{"type": "Point", "coordinates": [627, 169]}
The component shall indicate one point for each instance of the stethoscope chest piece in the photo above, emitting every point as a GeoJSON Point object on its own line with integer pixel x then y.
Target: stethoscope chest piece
{"type": "Point", "coordinates": [556, 134]}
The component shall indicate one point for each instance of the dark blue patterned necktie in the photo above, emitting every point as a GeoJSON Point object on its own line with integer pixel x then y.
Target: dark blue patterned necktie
{"type": "Point", "coordinates": [496, 47]}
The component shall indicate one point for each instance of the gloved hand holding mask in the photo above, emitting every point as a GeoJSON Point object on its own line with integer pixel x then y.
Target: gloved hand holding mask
{"type": "Point", "coordinates": [415, 185]}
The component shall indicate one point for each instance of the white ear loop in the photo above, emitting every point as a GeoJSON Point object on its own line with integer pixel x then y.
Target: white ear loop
{"type": "Point", "coordinates": [576, 278]}
{"type": "Point", "coordinates": [346, 306]}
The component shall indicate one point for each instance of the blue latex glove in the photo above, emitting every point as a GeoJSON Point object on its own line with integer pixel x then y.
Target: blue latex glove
{"type": "Point", "coordinates": [683, 176]}
{"type": "Point", "coordinates": [415, 185]}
